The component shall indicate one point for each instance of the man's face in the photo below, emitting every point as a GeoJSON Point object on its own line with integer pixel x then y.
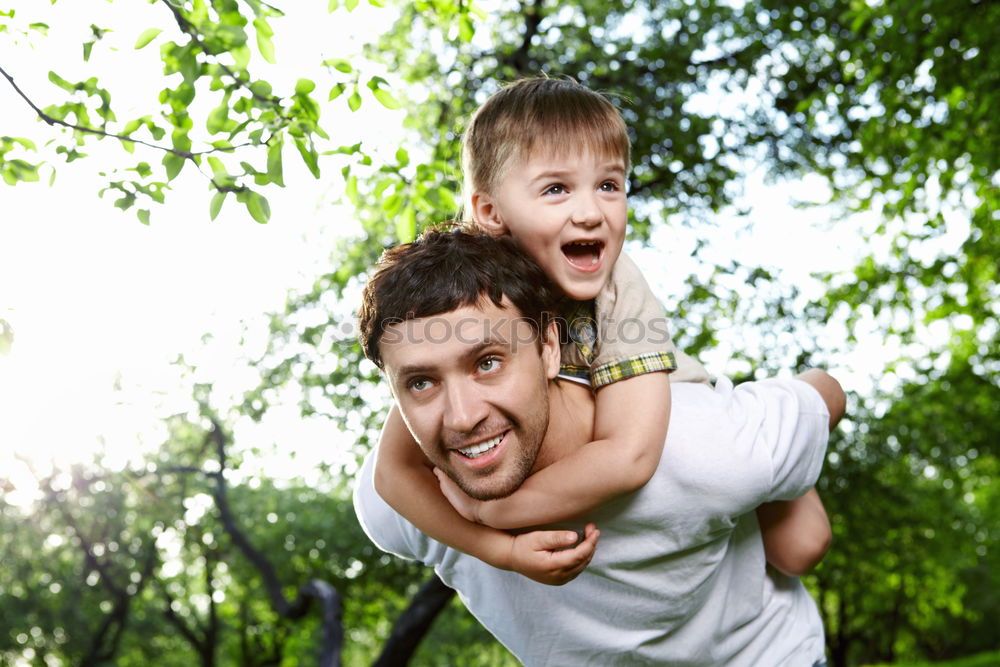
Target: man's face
{"type": "Point", "coordinates": [568, 212]}
{"type": "Point", "coordinates": [472, 386]}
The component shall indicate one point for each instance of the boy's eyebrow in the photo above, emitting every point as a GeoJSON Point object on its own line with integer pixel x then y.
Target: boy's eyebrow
{"type": "Point", "coordinates": [615, 166]}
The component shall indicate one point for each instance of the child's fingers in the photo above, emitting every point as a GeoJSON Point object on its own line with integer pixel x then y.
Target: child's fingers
{"type": "Point", "coordinates": [579, 555]}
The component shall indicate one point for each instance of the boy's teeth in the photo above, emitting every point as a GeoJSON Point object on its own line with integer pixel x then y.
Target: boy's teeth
{"type": "Point", "coordinates": [583, 253]}
{"type": "Point", "coordinates": [476, 451]}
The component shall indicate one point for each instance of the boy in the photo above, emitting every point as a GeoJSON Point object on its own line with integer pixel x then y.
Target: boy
{"type": "Point", "coordinates": [546, 162]}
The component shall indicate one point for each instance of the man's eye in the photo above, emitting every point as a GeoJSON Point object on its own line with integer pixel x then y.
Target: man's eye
{"type": "Point", "coordinates": [487, 365]}
{"type": "Point", "coordinates": [419, 384]}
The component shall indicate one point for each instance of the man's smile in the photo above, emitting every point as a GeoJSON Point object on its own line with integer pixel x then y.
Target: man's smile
{"type": "Point", "coordinates": [477, 450]}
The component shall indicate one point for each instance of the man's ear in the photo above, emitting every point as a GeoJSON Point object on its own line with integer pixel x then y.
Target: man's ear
{"type": "Point", "coordinates": [550, 350]}
{"type": "Point", "coordinates": [486, 215]}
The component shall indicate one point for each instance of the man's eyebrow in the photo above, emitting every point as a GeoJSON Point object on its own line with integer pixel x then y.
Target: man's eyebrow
{"type": "Point", "coordinates": [476, 350]}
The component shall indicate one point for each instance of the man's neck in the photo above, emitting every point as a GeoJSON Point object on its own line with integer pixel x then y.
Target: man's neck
{"type": "Point", "coordinates": [571, 421]}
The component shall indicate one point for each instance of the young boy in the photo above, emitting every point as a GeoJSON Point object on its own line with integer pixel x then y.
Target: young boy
{"type": "Point", "coordinates": [546, 162]}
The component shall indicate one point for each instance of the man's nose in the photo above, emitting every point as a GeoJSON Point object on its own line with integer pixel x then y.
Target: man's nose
{"type": "Point", "coordinates": [587, 211]}
{"type": "Point", "coordinates": [465, 408]}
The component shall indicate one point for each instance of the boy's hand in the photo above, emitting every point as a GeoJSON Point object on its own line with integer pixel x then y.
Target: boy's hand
{"type": "Point", "coordinates": [549, 557]}
{"type": "Point", "coordinates": [463, 504]}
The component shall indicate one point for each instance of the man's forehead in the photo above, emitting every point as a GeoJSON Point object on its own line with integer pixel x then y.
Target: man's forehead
{"type": "Point", "coordinates": [437, 338]}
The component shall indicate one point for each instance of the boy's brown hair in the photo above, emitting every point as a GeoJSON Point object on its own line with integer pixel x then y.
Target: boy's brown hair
{"type": "Point", "coordinates": [537, 113]}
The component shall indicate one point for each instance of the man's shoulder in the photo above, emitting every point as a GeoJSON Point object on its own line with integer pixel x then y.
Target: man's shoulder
{"type": "Point", "coordinates": [744, 442]}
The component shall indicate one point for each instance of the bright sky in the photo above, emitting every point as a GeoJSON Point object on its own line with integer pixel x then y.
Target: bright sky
{"type": "Point", "coordinates": [96, 298]}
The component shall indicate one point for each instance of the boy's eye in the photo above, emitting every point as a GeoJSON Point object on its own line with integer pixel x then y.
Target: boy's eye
{"type": "Point", "coordinates": [610, 186]}
{"type": "Point", "coordinates": [556, 189]}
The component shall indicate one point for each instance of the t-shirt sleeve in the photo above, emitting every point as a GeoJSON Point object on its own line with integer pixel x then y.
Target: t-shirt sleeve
{"type": "Point", "coordinates": [384, 526]}
{"type": "Point", "coordinates": [633, 333]}
{"type": "Point", "coordinates": [792, 434]}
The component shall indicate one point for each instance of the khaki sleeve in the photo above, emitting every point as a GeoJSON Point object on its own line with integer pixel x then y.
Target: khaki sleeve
{"type": "Point", "coordinates": [633, 333]}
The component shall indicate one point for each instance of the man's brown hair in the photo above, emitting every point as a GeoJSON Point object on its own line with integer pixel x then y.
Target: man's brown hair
{"type": "Point", "coordinates": [552, 115]}
{"type": "Point", "coordinates": [446, 269]}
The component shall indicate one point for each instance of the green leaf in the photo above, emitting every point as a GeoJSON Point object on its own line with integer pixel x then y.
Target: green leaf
{"type": "Point", "coordinates": [266, 47]}
{"type": "Point", "coordinates": [261, 89]}
{"type": "Point", "coordinates": [218, 119]}
{"type": "Point", "coordinates": [143, 215]}
{"type": "Point", "coordinates": [87, 48]}
{"type": "Point", "coordinates": [62, 83]}
{"type": "Point", "coordinates": [274, 168]}
{"type": "Point", "coordinates": [337, 90]}
{"type": "Point", "coordinates": [309, 156]}
{"type": "Point", "coordinates": [351, 190]}
{"type": "Point", "coordinates": [332, 5]}
{"type": "Point", "coordinates": [173, 164]}
{"type": "Point", "coordinates": [402, 157]}
{"type": "Point", "coordinates": [406, 226]}
{"type": "Point", "coordinates": [216, 205]}
{"type": "Point", "coordinates": [258, 207]}
{"type": "Point", "coordinates": [304, 86]}
{"type": "Point", "coordinates": [264, 43]}
{"type": "Point", "coordinates": [354, 101]}
{"type": "Point", "coordinates": [147, 36]}
{"type": "Point", "coordinates": [339, 64]}
{"type": "Point", "coordinates": [392, 204]}
{"type": "Point", "coordinates": [386, 98]}
{"type": "Point", "coordinates": [132, 126]}
{"type": "Point", "coordinates": [465, 28]}
{"type": "Point", "coordinates": [241, 56]}
{"type": "Point", "coordinates": [350, 4]}
{"type": "Point", "coordinates": [218, 168]}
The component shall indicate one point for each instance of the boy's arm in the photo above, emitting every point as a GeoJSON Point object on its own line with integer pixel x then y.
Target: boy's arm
{"type": "Point", "coordinates": [405, 480]}
{"type": "Point", "coordinates": [796, 533]}
{"type": "Point", "coordinates": [630, 426]}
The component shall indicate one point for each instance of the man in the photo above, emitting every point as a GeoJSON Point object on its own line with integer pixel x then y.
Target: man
{"type": "Point", "coordinates": [458, 322]}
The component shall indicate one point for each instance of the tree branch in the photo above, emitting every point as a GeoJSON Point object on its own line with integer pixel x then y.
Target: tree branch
{"type": "Point", "coordinates": [191, 31]}
{"type": "Point", "coordinates": [324, 593]}
{"type": "Point", "coordinates": [414, 622]}
{"type": "Point", "coordinates": [532, 19]}
{"type": "Point", "coordinates": [188, 155]}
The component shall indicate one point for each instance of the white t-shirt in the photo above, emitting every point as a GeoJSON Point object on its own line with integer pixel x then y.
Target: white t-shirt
{"type": "Point", "coordinates": [679, 574]}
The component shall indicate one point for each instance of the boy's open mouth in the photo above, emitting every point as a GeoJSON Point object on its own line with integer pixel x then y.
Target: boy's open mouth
{"type": "Point", "coordinates": [585, 255]}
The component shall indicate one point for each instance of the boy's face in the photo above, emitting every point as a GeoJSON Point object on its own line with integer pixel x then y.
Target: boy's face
{"type": "Point", "coordinates": [568, 212]}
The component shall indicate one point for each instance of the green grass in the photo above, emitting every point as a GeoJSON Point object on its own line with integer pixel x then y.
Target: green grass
{"type": "Point", "coordinates": [991, 659]}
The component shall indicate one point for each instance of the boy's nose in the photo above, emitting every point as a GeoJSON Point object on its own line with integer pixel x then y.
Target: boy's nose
{"type": "Point", "coordinates": [587, 212]}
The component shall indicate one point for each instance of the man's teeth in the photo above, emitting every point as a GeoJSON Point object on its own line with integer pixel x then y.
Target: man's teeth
{"type": "Point", "coordinates": [478, 450]}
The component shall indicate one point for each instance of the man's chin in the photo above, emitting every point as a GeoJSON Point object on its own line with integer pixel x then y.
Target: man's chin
{"type": "Point", "coordinates": [487, 489]}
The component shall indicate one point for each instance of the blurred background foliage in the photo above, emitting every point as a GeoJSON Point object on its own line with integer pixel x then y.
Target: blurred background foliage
{"type": "Point", "coordinates": [195, 559]}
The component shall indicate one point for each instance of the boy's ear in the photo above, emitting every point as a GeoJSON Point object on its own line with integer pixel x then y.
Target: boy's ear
{"type": "Point", "coordinates": [486, 215]}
